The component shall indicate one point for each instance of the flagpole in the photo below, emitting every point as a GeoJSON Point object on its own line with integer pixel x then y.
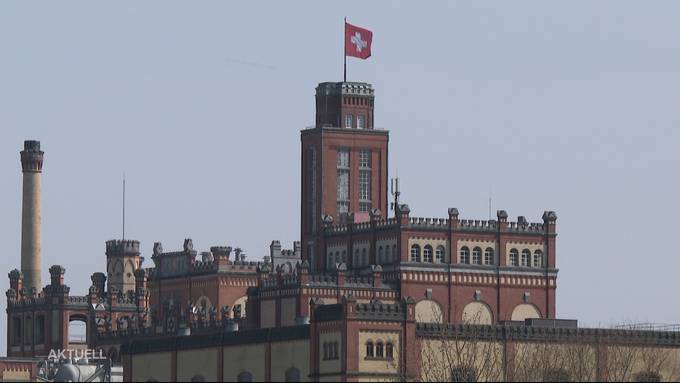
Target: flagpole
{"type": "Point", "coordinates": [344, 51]}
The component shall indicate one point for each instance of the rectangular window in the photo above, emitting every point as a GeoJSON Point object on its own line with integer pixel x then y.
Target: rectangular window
{"type": "Point", "coordinates": [343, 158]}
{"type": "Point", "coordinates": [342, 195]}
{"type": "Point", "coordinates": [365, 159]}
{"type": "Point", "coordinates": [365, 185]}
{"type": "Point", "coordinates": [365, 180]}
{"type": "Point", "coordinates": [311, 208]}
{"type": "Point", "coordinates": [348, 120]}
{"type": "Point", "coordinates": [361, 122]}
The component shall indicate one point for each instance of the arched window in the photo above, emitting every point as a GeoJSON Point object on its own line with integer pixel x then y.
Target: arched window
{"type": "Point", "coordinates": [488, 256]}
{"type": "Point", "coordinates": [292, 375]}
{"type": "Point", "coordinates": [245, 376]}
{"type": "Point", "coordinates": [514, 257]}
{"type": "Point", "coordinates": [77, 329]}
{"type": "Point", "coordinates": [395, 256]}
{"type": "Point", "coordinates": [335, 350]}
{"type": "Point", "coordinates": [379, 350]}
{"type": "Point", "coordinates": [464, 255]}
{"type": "Point", "coordinates": [526, 255]}
{"type": "Point", "coordinates": [337, 257]}
{"type": "Point", "coordinates": [477, 256]}
{"type": "Point", "coordinates": [427, 254]}
{"type": "Point", "coordinates": [344, 256]}
{"type": "Point", "coordinates": [439, 254]}
{"type": "Point", "coordinates": [389, 350]}
{"type": "Point", "coordinates": [356, 259]}
{"type": "Point", "coordinates": [381, 254]}
{"type": "Point", "coordinates": [415, 253]}
{"type": "Point", "coordinates": [364, 257]}
{"type": "Point", "coordinates": [369, 349]}
{"type": "Point", "coordinates": [538, 258]}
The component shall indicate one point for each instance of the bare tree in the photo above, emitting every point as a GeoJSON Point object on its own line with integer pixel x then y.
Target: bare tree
{"type": "Point", "coordinates": [462, 353]}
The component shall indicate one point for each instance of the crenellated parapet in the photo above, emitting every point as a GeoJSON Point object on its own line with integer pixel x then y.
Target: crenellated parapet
{"type": "Point", "coordinates": [375, 310]}
{"type": "Point", "coordinates": [122, 247]}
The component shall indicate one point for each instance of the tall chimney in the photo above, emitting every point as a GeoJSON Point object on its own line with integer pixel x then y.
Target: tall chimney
{"type": "Point", "coordinates": [31, 163]}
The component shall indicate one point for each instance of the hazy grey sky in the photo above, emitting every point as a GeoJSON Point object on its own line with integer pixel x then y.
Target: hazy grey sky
{"type": "Point", "coordinates": [569, 106]}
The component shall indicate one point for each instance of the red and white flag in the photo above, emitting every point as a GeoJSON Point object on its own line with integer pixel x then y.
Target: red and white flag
{"type": "Point", "coordinates": [357, 41]}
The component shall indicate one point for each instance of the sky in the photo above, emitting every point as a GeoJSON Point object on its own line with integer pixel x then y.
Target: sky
{"type": "Point", "coordinates": [537, 105]}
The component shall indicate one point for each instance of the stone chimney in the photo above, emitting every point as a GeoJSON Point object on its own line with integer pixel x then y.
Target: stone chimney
{"type": "Point", "coordinates": [31, 164]}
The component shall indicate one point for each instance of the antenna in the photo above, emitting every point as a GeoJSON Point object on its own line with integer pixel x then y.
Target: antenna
{"type": "Point", "coordinates": [489, 203]}
{"type": "Point", "coordinates": [394, 190]}
{"type": "Point", "coordinates": [123, 206]}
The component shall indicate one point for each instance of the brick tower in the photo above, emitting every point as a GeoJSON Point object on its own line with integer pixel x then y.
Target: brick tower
{"type": "Point", "coordinates": [344, 161]}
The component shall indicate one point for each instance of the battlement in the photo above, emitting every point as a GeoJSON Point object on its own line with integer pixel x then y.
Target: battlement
{"type": "Point", "coordinates": [120, 247]}
{"type": "Point", "coordinates": [442, 224]}
{"type": "Point", "coordinates": [344, 88]}
{"type": "Point", "coordinates": [377, 310]}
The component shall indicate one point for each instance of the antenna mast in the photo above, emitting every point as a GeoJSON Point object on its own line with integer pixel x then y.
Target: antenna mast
{"type": "Point", "coordinates": [123, 206]}
{"type": "Point", "coordinates": [394, 190]}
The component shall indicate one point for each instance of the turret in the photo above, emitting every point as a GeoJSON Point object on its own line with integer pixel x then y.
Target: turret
{"type": "Point", "coordinates": [122, 259]}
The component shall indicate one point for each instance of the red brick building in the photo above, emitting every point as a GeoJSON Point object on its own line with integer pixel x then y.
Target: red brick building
{"type": "Point", "coordinates": [403, 269]}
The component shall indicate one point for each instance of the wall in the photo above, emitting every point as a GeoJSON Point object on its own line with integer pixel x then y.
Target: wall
{"type": "Point", "coordinates": [156, 366]}
{"type": "Point", "coordinates": [250, 358]}
{"type": "Point", "coordinates": [285, 355]}
{"type": "Point", "coordinates": [201, 362]}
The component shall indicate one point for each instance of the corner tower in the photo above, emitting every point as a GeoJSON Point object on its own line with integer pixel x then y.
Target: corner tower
{"type": "Point", "coordinates": [122, 260]}
{"type": "Point", "coordinates": [344, 161]}
{"type": "Point", "coordinates": [31, 164]}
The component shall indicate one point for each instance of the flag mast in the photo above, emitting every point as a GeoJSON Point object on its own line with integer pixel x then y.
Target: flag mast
{"type": "Point", "coordinates": [344, 51]}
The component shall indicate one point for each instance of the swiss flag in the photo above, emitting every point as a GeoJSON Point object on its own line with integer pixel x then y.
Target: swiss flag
{"type": "Point", "coordinates": [357, 41]}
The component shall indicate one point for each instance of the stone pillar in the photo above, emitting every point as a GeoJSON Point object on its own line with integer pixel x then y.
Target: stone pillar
{"type": "Point", "coordinates": [31, 163]}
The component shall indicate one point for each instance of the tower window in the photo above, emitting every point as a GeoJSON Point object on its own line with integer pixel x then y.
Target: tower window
{"type": "Point", "coordinates": [361, 122]}
{"type": "Point", "coordinates": [365, 180]}
{"type": "Point", "coordinates": [365, 159]}
{"type": "Point", "coordinates": [348, 120]}
{"type": "Point", "coordinates": [342, 180]}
